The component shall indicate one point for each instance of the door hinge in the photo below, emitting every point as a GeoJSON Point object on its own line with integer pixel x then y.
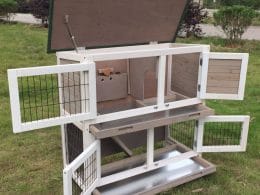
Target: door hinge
{"type": "Point", "coordinates": [199, 87]}
{"type": "Point", "coordinates": [201, 61]}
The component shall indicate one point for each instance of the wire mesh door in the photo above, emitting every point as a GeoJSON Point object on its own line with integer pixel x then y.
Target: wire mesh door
{"type": "Point", "coordinates": [222, 134]}
{"type": "Point", "coordinates": [83, 174]}
{"type": "Point", "coordinates": [51, 95]}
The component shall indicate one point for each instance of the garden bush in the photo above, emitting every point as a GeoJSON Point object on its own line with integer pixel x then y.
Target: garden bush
{"type": "Point", "coordinates": [40, 10]}
{"type": "Point", "coordinates": [23, 6]}
{"type": "Point", "coordinates": [234, 20]}
{"type": "Point", "coordinates": [194, 16]}
{"type": "Point", "coordinates": [7, 7]}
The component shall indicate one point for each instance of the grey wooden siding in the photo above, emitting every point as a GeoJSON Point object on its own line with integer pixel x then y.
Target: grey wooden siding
{"type": "Point", "coordinates": [223, 76]}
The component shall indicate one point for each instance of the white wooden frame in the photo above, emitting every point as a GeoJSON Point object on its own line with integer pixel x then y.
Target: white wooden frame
{"type": "Point", "coordinates": [228, 56]}
{"type": "Point", "coordinates": [13, 74]}
{"type": "Point", "coordinates": [159, 50]}
{"type": "Point", "coordinates": [225, 148]}
{"type": "Point", "coordinates": [128, 52]}
{"type": "Point", "coordinates": [69, 170]}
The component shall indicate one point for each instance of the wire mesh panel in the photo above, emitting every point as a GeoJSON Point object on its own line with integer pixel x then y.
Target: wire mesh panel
{"type": "Point", "coordinates": [74, 142]}
{"type": "Point", "coordinates": [183, 132]}
{"type": "Point", "coordinates": [75, 92]}
{"type": "Point", "coordinates": [222, 134]}
{"type": "Point", "coordinates": [83, 174]}
{"type": "Point", "coordinates": [76, 190]}
{"type": "Point", "coordinates": [51, 95]}
{"type": "Point", "coordinates": [39, 96]}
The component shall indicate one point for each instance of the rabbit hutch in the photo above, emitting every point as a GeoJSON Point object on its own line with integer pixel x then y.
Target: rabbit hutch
{"type": "Point", "coordinates": [130, 102]}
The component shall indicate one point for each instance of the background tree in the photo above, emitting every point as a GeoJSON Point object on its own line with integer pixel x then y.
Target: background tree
{"type": "Point", "coordinates": [23, 6]}
{"type": "Point", "coordinates": [7, 7]}
{"type": "Point", "coordinates": [195, 15]}
{"type": "Point", "coordinates": [234, 20]}
{"type": "Point", "coordinates": [40, 10]}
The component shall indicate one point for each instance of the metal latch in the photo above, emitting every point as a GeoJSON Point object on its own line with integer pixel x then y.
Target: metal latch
{"type": "Point", "coordinates": [199, 86]}
{"type": "Point", "coordinates": [201, 61]}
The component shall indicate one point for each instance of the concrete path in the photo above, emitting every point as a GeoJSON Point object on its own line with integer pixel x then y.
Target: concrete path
{"type": "Point", "coordinates": [25, 18]}
{"type": "Point", "coordinates": [253, 32]}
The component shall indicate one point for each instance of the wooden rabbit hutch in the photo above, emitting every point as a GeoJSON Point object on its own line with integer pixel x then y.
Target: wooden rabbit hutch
{"type": "Point", "coordinates": [130, 101]}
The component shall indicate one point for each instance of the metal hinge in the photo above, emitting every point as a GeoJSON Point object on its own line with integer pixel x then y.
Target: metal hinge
{"type": "Point", "coordinates": [197, 123]}
{"type": "Point", "coordinates": [199, 87]}
{"type": "Point", "coordinates": [201, 61]}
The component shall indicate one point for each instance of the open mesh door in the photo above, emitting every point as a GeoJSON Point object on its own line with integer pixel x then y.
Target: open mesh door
{"type": "Point", "coordinates": [223, 75]}
{"type": "Point", "coordinates": [51, 95]}
{"type": "Point", "coordinates": [222, 134]}
{"type": "Point", "coordinates": [83, 174]}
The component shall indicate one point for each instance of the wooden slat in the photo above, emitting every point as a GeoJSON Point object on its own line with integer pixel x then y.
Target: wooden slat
{"type": "Point", "coordinates": [224, 90]}
{"type": "Point", "coordinates": [223, 70]}
{"type": "Point", "coordinates": [223, 76]}
{"type": "Point", "coordinates": [225, 62]}
{"type": "Point", "coordinates": [223, 83]}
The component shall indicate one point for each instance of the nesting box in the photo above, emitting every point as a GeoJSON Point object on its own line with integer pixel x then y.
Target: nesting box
{"type": "Point", "coordinates": [130, 101]}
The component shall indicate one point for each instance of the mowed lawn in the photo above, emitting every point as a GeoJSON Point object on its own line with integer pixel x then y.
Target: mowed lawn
{"type": "Point", "coordinates": [31, 163]}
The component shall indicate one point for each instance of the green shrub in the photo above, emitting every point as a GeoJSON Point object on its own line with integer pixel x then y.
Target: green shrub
{"type": "Point", "coordinates": [195, 15]}
{"type": "Point", "coordinates": [234, 20]}
{"type": "Point", "coordinates": [23, 6]}
{"type": "Point", "coordinates": [7, 7]}
{"type": "Point", "coordinates": [40, 10]}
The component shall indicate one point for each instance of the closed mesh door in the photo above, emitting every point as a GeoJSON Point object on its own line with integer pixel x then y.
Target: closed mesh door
{"type": "Point", "coordinates": [82, 175]}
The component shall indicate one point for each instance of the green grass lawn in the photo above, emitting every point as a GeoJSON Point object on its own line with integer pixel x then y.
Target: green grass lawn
{"type": "Point", "coordinates": [31, 163]}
